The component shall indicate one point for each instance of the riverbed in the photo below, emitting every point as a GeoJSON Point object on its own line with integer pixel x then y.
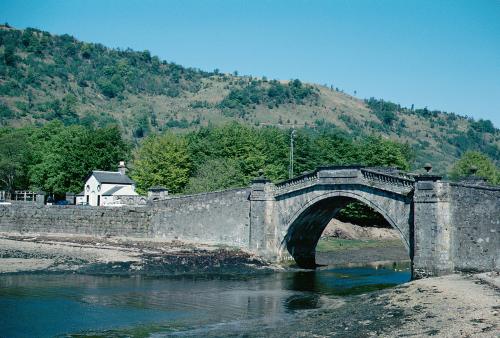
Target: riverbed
{"type": "Point", "coordinates": [338, 302]}
{"type": "Point", "coordinates": [47, 305]}
{"type": "Point", "coordinates": [60, 286]}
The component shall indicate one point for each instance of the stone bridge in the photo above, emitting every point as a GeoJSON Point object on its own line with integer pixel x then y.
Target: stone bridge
{"type": "Point", "coordinates": [299, 210]}
{"type": "Point", "coordinates": [445, 226]}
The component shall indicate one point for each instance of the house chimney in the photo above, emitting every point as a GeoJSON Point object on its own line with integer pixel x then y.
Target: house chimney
{"type": "Point", "coordinates": [121, 168]}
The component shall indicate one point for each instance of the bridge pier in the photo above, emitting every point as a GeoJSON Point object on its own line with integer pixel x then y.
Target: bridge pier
{"type": "Point", "coordinates": [263, 238]}
{"type": "Point", "coordinates": [432, 228]}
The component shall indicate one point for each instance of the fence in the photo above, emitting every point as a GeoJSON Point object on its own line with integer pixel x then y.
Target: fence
{"type": "Point", "coordinates": [26, 196]}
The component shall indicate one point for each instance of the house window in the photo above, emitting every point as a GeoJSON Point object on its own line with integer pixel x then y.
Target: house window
{"type": "Point", "coordinates": [99, 187]}
{"type": "Point", "coordinates": [88, 188]}
{"type": "Point", "coordinates": [88, 199]}
{"type": "Point", "coordinates": [98, 199]}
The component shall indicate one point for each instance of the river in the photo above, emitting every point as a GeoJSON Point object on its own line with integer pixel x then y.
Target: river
{"type": "Point", "coordinates": [75, 305]}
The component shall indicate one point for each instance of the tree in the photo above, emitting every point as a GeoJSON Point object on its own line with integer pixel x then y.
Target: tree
{"type": "Point", "coordinates": [9, 56]}
{"type": "Point", "coordinates": [485, 167]}
{"type": "Point", "coordinates": [376, 151]}
{"type": "Point", "coordinates": [216, 174]}
{"type": "Point", "coordinates": [14, 160]}
{"type": "Point", "coordinates": [162, 160]}
{"type": "Point", "coordinates": [231, 141]}
{"type": "Point", "coordinates": [64, 156]}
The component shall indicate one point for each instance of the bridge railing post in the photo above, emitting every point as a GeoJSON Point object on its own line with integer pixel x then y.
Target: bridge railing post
{"type": "Point", "coordinates": [157, 193]}
{"type": "Point", "coordinates": [431, 227]}
{"type": "Point", "coordinates": [40, 197]}
{"type": "Point", "coordinates": [262, 236]}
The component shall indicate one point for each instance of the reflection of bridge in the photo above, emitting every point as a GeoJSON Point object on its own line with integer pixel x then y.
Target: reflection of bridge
{"type": "Point", "coordinates": [445, 226]}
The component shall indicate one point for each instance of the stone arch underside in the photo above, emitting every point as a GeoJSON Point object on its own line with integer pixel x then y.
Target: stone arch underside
{"type": "Point", "coordinates": [315, 209]}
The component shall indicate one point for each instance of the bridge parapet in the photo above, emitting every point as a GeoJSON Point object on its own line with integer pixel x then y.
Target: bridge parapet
{"type": "Point", "coordinates": [383, 178]}
{"type": "Point", "coordinates": [296, 183]}
{"type": "Point", "coordinates": [319, 175]}
{"type": "Point", "coordinates": [373, 175]}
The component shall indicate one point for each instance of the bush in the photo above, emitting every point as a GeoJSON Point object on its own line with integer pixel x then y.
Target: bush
{"type": "Point", "coordinates": [238, 101]}
{"type": "Point", "coordinates": [485, 167]}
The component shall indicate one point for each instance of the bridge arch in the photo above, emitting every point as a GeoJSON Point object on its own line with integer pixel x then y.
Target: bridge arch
{"type": "Point", "coordinates": [305, 226]}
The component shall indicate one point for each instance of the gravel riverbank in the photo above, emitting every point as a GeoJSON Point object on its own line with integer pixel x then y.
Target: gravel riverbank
{"type": "Point", "coordinates": [119, 256]}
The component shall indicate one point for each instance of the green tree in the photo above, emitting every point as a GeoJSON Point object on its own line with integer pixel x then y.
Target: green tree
{"type": "Point", "coordinates": [9, 56]}
{"type": "Point", "coordinates": [485, 167]}
{"type": "Point", "coordinates": [162, 160]}
{"type": "Point", "coordinates": [5, 113]}
{"type": "Point", "coordinates": [64, 156]}
{"type": "Point", "coordinates": [335, 149]}
{"type": "Point", "coordinates": [15, 154]}
{"type": "Point", "coordinates": [361, 214]}
{"type": "Point", "coordinates": [216, 174]}
{"type": "Point", "coordinates": [274, 145]}
{"type": "Point", "coordinates": [376, 151]}
{"type": "Point", "coordinates": [231, 141]}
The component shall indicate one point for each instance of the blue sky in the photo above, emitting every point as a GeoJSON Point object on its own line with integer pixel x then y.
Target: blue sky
{"type": "Point", "coordinates": [440, 54]}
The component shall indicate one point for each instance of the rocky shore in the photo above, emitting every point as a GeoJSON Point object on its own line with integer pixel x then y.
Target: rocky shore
{"type": "Point", "coordinates": [21, 253]}
{"type": "Point", "coordinates": [451, 306]}
{"type": "Point", "coordinates": [131, 256]}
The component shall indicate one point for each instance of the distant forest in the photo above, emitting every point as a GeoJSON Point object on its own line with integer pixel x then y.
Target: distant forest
{"type": "Point", "coordinates": [68, 107]}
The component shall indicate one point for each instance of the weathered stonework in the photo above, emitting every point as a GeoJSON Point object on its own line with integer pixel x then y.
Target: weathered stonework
{"type": "Point", "coordinates": [304, 206]}
{"type": "Point", "coordinates": [217, 218]}
{"type": "Point", "coordinates": [71, 219]}
{"type": "Point", "coordinates": [475, 216]}
{"type": "Point", "coordinates": [432, 228]}
{"type": "Point", "coordinates": [445, 226]}
{"type": "Point", "coordinates": [262, 235]}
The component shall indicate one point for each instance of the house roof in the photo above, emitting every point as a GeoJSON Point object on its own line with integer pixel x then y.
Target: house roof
{"type": "Point", "coordinates": [112, 191]}
{"type": "Point", "coordinates": [81, 194]}
{"type": "Point", "coordinates": [118, 190]}
{"type": "Point", "coordinates": [111, 177]}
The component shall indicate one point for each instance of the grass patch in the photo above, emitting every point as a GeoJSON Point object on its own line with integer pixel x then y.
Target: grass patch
{"type": "Point", "coordinates": [336, 244]}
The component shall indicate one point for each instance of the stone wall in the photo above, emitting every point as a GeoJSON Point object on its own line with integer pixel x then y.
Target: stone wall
{"type": "Point", "coordinates": [456, 227]}
{"type": "Point", "coordinates": [475, 215]}
{"type": "Point", "coordinates": [72, 219]}
{"type": "Point", "coordinates": [218, 217]}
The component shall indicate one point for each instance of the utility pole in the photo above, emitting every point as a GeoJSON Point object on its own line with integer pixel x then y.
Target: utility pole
{"type": "Point", "coordinates": [290, 168]}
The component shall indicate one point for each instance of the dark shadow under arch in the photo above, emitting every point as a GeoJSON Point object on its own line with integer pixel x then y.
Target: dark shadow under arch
{"type": "Point", "coordinates": [307, 225]}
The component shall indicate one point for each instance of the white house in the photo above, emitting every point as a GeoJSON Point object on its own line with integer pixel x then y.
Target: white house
{"type": "Point", "coordinates": [106, 187]}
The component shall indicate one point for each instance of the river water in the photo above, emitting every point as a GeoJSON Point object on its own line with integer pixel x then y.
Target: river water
{"type": "Point", "coordinates": [73, 305]}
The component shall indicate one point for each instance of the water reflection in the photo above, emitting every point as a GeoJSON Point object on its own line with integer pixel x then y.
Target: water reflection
{"type": "Point", "coordinates": [339, 282]}
{"type": "Point", "coordinates": [60, 304]}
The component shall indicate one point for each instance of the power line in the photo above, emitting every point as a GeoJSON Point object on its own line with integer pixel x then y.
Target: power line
{"type": "Point", "coordinates": [290, 168]}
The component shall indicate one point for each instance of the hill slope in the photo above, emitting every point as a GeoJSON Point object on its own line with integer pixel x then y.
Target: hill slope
{"type": "Point", "coordinates": [45, 77]}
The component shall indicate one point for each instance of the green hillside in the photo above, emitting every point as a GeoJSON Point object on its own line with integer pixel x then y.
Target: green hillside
{"type": "Point", "coordinates": [46, 77]}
